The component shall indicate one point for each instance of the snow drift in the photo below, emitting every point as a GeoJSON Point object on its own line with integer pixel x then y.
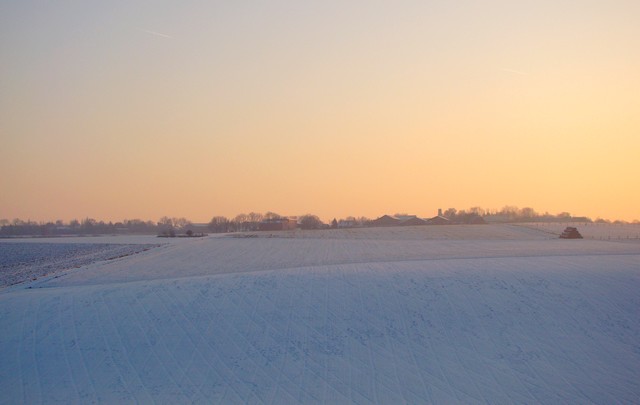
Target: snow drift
{"type": "Point", "coordinates": [379, 320]}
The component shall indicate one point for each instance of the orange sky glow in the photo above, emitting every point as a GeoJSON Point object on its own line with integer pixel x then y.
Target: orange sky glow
{"type": "Point", "coordinates": [116, 110]}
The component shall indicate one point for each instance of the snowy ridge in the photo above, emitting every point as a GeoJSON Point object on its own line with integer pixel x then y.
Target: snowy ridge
{"type": "Point", "coordinates": [550, 323]}
{"type": "Point", "coordinates": [229, 255]}
{"type": "Point", "coordinates": [616, 232]}
{"type": "Point", "coordinates": [398, 233]}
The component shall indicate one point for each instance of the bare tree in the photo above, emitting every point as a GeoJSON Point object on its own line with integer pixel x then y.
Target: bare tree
{"type": "Point", "coordinates": [219, 224]}
{"type": "Point", "coordinates": [165, 226]}
{"type": "Point", "coordinates": [254, 217]}
{"type": "Point", "coordinates": [181, 223]}
{"type": "Point", "coordinates": [450, 213]}
{"type": "Point", "coordinates": [240, 219]}
{"type": "Point", "coordinates": [240, 222]}
{"type": "Point", "coordinates": [271, 215]}
{"type": "Point", "coordinates": [253, 221]}
{"type": "Point", "coordinates": [528, 213]}
{"type": "Point", "coordinates": [363, 221]}
{"type": "Point", "coordinates": [165, 222]}
{"type": "Point", "coordinates": [310, 222]}
{"type": "Point", "coordinates": [477, 211]}
{"type": "Point", "coordinates": [509, 211]}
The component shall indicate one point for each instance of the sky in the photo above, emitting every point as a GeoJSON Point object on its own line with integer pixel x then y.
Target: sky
{"type": "Point", "coordinates": [140, 109]}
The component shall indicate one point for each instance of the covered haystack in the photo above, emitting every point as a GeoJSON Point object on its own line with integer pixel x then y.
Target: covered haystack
{"type": "Point", "coordinates": [570, 232]}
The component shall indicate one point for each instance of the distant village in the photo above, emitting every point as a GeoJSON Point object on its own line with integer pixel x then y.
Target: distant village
{"type": "Point", "coordinates": [281, 224]}
{"type": "Point", "coordinates": [252, 222]}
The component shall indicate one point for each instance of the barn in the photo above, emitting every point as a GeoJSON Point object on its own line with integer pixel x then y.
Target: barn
{"type": "Point", "coordinates": [398, 220]}
{"type": "Point", "coordinates": [439, 220]}
{"type": "Point", "coordinates": [386, 220]}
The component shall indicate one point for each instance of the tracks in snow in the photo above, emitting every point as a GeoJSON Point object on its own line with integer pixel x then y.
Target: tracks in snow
{"type": "Point", "coordinates": [538, 329]}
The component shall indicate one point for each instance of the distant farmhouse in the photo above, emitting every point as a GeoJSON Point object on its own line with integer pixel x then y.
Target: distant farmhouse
{"type": "Point", "coordinates": [386, 220]}
{"type": "Point", "coordinates": [278, 224]}
{"type": "Point", "coordinates": [346, 223]}
{"type": "Point", "coordinates": [198, 227]}
{"type": "Point", "coordinates": [410, 220]}
{"type": "Point", "coordinates": [439, 219]}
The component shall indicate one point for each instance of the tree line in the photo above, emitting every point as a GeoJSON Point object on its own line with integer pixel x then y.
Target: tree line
{"type": "Point", "coordinates": [250, 222]}
{"type": "Point", "coordinates": [87, 226]}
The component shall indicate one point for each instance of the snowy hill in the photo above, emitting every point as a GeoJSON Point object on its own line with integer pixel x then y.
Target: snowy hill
{"type": "Point", "coordinates": [485, 314]}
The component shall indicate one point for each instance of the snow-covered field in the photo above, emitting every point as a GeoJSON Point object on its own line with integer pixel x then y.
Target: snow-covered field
{"type": "Point", "coordinates": [617, 232]}
{"type": "Point", "coordinates": [29, 261]}
{"type": "Point", "coordinates": [483, 314]}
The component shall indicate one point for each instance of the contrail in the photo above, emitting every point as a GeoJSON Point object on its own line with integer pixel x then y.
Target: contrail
{"type": "Point", "coordinates": [159, 34]}
{"type": "Point", "coordinates": [518, 72]}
